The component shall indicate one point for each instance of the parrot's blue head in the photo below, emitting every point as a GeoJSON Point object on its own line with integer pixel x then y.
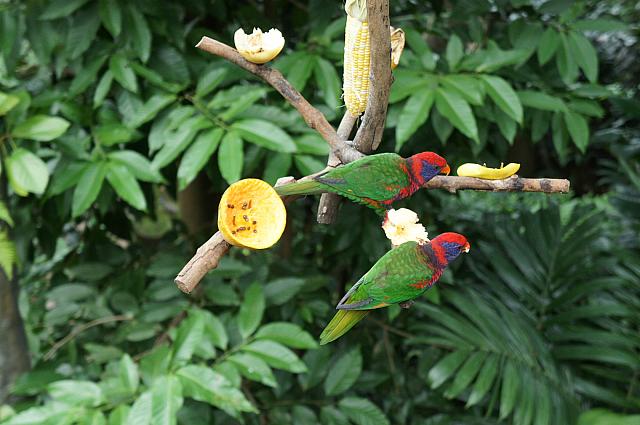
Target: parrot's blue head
{"type": "Point", "coordinates": [426, 165]}
{"type": "Point", "coordinates": [447, 246]}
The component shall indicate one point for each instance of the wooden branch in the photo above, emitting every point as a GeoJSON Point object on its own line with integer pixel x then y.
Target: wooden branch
{"type": "Point", "coordinates": [329, 202]}
{"type": "Point", "coordinates": [512, 184]}
{"type": "Point", "coordinates": [370, 132]}
{"type": "Point", "coordinates": [206, 259]}
{"type": "Point", "coordinates": [313, 117]}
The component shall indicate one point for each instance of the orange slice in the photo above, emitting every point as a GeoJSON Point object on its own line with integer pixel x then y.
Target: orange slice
{"type": "Point", "coordinates": [251, 214]}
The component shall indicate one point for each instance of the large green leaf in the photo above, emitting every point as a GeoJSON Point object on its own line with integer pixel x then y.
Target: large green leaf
{"type": "Point", "coordinates": [111, 16]}
{"type": "Point", "coordinates": [454, 51]}
{"type": "Point", "coordinates": [7, 102]}
{"type": "Point", "coordinates": [265, 134]}
{"type": "Point", "coordinates": [276, 355]}
{"type": "Point", "coordinates": [122, 72]}
{"type": "Point", "coordinates": [328, 81]}
{"type": "Point", "coordinates": [585, 55]}
{"type": "Point", "coordinates": [203, 384]}
{"type": "Point", "coordinates": [231, 157]}
{"type": "Point", "coordinates": [26, 172]}
{"type": "Point", "coordinates": [188, 336]}
{"type": "Point", "coordinates": [129, 376]}
{"type": "Point", "coordinates": [455, 109]}
{"type": "Point", "coordinates": [251, 310]}
{"type": "Point", "coordinates": [254, 368]}
{"type": "Point", "coordinates": [41, 127]}
{"type": "Point", "coordinates": [541, 100]}
{"type": "Point", "coordinates": [362, 412]}
{"type": "Point", "coordinates": [126, 185]}
{"type": "Point", "coordinates": [344, 373]}
{"type": "Point", "coordinates": [197, 156]}
{"type": "Point", "coordinates": [414, 113]}
{"type": "Point", "coordinates": [85, 393]}
{"type": "Point", "coordinates": [288, 334]}
{"type": "Point", "coordinates": [8, 254]}
{"type": "Point", "coordinates": [166, 400]}
{"type": "Point", "coordinates": [137, 164]}
{"type": "Point", "coordinates": [578, 129]}
{"type": "Point", "coordinates": [504, 96]}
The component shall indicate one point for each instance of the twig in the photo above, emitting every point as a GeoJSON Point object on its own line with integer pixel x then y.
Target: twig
{"type": "Point", "coordinates": [76, 331]}
{"type": "Point", "coordinates": [370, 132]}
{"type": "Point", "coordinates": [314, 118]}
{"type": "Point", "coordinates": [329, 202]}
{"type": "Point", "coordinates": [207, 258]}
{"type": "Point", "coordinates": [512, 184]}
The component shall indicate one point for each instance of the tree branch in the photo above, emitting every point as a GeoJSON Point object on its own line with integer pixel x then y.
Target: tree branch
{"type": "Point", "coordinates": [329, 202]}
{"type": "Point", "coordinates": [314, 118]}
{"type": "Point", "coordinates": [206, 259]}
{"type": "Point", "coordinates": [370, 132]}
{"type": "Point", "coordinates": [512, 184]}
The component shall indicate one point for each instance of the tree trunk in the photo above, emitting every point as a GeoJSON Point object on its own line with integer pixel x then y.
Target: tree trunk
{"type": "Point", "coordinates": [14, 352]}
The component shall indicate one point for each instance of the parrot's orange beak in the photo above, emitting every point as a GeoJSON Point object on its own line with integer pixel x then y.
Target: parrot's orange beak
{"type": "Point", "coordinates": [467, 247]}
{"type": "Point", "coordinates": [446, 170]}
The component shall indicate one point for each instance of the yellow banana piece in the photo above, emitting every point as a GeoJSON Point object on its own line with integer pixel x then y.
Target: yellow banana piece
{"type": "Point", "coordinates": [483, 172]}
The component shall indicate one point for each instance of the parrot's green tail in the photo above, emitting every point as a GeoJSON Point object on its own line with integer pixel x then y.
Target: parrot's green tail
{"type": "Point", "coordinates": [340, 324]}
{"type": "Point", "coordinates": [308, 187]}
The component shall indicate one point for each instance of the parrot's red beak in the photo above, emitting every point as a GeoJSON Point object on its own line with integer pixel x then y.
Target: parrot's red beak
{"type": "Point", "coordinates": [467, 247]}
{"type": "Point", "coordinates": [445, 170]}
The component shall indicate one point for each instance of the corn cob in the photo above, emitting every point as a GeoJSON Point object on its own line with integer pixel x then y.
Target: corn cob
{"type": "Point", "coordinates": [357, 51]}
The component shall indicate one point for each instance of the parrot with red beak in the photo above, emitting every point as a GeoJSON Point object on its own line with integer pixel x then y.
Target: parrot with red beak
{"type": "Point", "coordinates": [376, 181]}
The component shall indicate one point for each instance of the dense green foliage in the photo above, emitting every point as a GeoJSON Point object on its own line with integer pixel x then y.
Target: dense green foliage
{"type": "Point", "coordinates": [117, 137]}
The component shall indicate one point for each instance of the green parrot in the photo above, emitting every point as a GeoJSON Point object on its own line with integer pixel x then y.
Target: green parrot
{"type": "Point", "coordinates": [376, 180]}
{"type": "Point", "coordinates": [401, 275]}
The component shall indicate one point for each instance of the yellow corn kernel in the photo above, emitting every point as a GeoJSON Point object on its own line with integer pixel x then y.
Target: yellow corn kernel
{"type": "Point", "coordinates": [357, 50]}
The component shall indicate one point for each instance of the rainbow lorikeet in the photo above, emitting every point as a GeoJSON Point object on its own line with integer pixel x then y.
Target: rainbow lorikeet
{"type": "Point", "coordinates": [376, 180]}
{"type": "Point", "coordinates": [401, 275]}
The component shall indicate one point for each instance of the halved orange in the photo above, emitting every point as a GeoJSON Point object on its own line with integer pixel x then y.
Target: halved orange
{"type": "Point", "coordinates": [251, 214]}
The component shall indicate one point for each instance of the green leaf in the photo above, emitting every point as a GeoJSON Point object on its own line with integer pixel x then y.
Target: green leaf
{"type": "Point", "coordinates": [111, 16]}
{"type": "Point", "coordinates": [49, 414]}
{"type": "Point", "coordinates": [560, 136]}
{"type": "Point", "coordinates": [264, 134]}
{"type": "Point", "coordinates": [329, 415]}
{"type": "Point", "coordinates": [455, 109]}
{"type": "Point", "coordinates": [288, 334]}
{"type": "Point", "coordinates": [312, 144]}
{"type": "Point", "coordinates": [485, 379]}
{"type": "Point", "coordinates": [149, 110]}
{"type": "Point", "coordinates": [446, 367]}
{"type": "Point", "coordinates": [203, 384]}
{"type": "Point", "coordinates": [281, 290]}
{"type": "Point", "coordinates": [197, 156]}
{"type": "Point", "coordinates": [254, 368]}
{"type": "Point", "coordinates": [113, 133]}
{"type": "Point", "coordinates": [441, 126]}
{"type": "Point", "coordinates": [454, 52]}
{"type": "Point", "coordinates": [578, 129]}
{"type": "Point", "coordinates": [4, 214]}
{"type": "Point", "coordinates": [7, 102]}
{"type": "Point", "coordinates": [140, 33]}
{"type": "Point", "coordinates": [26, 172]}
{"type": "Point", "coordinates": [276, 166]}
{"type": "Point", "coordinates": [548, 45]}
{"type": "Point", "coordinates": [600, 25]}
{"type": "Point", "coordinates": [128, 373]}
{"type": "Point", "coordinates": [344, 373]}
{"type": "Point", "coordinates": [214, 330]}
{"type": "Point", "coordinates": [177, 141]}
{"type": "Point", "coordinates": [126, 185]}
{"type": "Point", "coordinates": [102, 89]}
{"type": "Point", "coordinates": [466, 86]}
{"type": "Point", "coordinates": [362, 412]}
{"type": "Point", "coordinates": [84, 393]}
{"type": "Point", "coordinates": [510, 389]}
{"type": "Point", "coordinates": [542, 101]}
{"type": "Point", "coordinates": [414, 114]}
{"type": "Point", "coordinates": [585, 55]}
{"type": "Point", "coordinates": [137, 164]}
{"type": "Point", "coordinates": [307, 164]}
{"type": "Point", "coordinates": [122, 72]}
{"type": "Point", "coordinates": [140, 413]}
{"type": "Point", "coordinates": [166, 400]}
{"type": "Point", "coordinates": [82, 32]}
{"type": "Point", "coordinates": [243, 102]}
{"type": "Point", "coordinates": [328, 82]}
{"type": "Point", "coordinates": [504, 96]}
{"type": "Point", "coordinates": [188, 336]}
{"type": "Point", "coordinates": [210, 80]}
{"type": "Point", "coordinates": [466, 374]}
{"type": "Point", "coordinates": [42, 128]}
{"type": "Point", "coordinates": [61, 8]}
{"type": "Point", "coordinates": [231, 157]}
{"type": "Point", "coordinates": [300, 70]}
{"type": "Point", "coordinates": [86, 76]}
{"type": "Point", "coordinates": [276, 355]}
{"type": "Point", "coordinates": [567, 66]}
{"type": "Point", "coordinates": [251, 310]}
{"type": "Point", "coordinates": [8, 254]}
{"type": "Point", "coordinates": [506, 124]}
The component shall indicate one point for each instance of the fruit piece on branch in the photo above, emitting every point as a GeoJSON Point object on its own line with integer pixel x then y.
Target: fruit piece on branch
{"type": "Point", "coordinates": [259, 47]}
{"type": "Point", "coordinates": [484, 172]}
{"type": "Point", "coordinates": [397, 45]}
{"type": "Point", "coordinates": [402, 226]}
{"type": "Point", "coordinates": [251, 214]}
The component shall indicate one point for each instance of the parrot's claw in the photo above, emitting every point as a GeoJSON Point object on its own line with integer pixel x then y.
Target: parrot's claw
{"type": "Point", "coordinates": [406, 304]}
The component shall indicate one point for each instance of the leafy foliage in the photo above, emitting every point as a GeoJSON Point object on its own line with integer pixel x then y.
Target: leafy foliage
{"type": "Point", "coordinates": [117, 138]}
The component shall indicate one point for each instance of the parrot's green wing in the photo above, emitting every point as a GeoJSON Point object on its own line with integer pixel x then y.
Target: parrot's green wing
{"type": "Point", "coordinates": [400, 275]}
{"type": "Point", "coordinates": [379, 177]}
